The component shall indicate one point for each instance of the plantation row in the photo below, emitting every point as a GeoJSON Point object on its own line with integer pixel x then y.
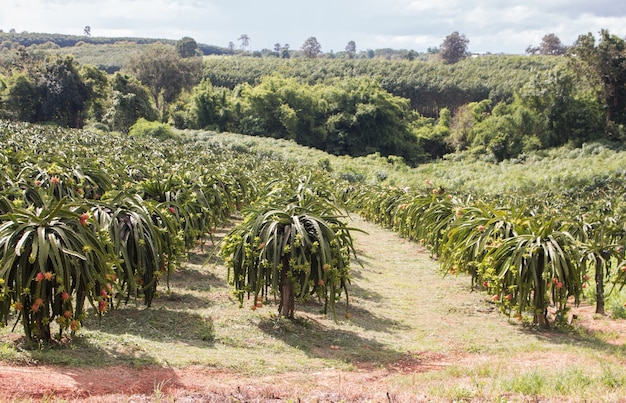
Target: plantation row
{"type": "Point", "coordinates": [87, 218]}
{"type": "Point", "coordinates": [529, 256]}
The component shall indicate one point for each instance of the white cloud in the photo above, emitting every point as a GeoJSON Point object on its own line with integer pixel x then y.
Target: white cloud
{"type": "Point", "coordinates": [429, 6]}
{"type": "Point", "coordinates": [490, 25]}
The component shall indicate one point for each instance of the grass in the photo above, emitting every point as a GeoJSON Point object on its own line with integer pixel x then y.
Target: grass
{"type": "Point", "coordinates": [562, 169]}
{"type": "Point", "coordinates": [423, 333]}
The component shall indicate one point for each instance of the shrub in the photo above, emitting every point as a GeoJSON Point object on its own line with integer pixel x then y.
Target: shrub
{"type": "Point", "coordinates": [144, 128]}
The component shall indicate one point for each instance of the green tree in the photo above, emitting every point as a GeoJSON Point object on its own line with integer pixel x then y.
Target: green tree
{"type": "Point", "coordinates": [165, 73]}
{"type": "Point", "coordinates": [604, 66]}
{"type": "Point", "coordinates": [351, 49]}
{"type": "Point", "coordinates": [463, 122]}
{"type": "Point", "coordinates": [567, 113]}
{"type": "Point", "coordinates": [283, 108]}
{"type": "Point", "coordinates": [130, 100]}
{"type": "Point", "coordinates": [454, 48]}
{"type": "Point", "coordinates": [363, 118]}
{"type": "Point", "coordinates": [97, 84]}
{"type": "Point", "coordinates": [284, 52]}
{"type": "Point", "coordinates": [245, 41]}
{"type": "Point", "coordinates": [187, 47]}
{"type": "Point", "coordinates": [23, 99]}
{"type": "Point", "coordinates": [504, 133]}
{"type": "Point", "coordinates": [311, 48]}
{"type": "Point", "coordinates": [433, 138]}
{"type": "Point", "coordinates": [64, 94]}
{"type": "Point", "coordinates": [213, 107]}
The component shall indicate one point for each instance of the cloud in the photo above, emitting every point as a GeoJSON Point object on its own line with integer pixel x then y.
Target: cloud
{"type": "Point", "coordinates": [490, 25]}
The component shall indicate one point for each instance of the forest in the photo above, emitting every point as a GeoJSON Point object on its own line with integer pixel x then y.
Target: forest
{"type": "Point", "coordinates": [491, 106]}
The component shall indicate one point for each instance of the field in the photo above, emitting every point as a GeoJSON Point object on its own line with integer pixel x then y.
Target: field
{"type": "Point", "coordinates": [410, 333]}
{"type": "Point", "coordinates": [413, 335]}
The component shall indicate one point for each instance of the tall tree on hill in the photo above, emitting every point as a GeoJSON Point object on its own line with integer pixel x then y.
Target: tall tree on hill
{"type": "Point", "coordinates": [187, 47]}
{"type": "Point", "coordinates": [351, 49]}
{"type": "Point", "coordinates": [550, 45]}
{"type": "Point", "coordinates": [245, 41]}
{"type": "Point", "coordinates": [284, 52]}
{"type": "Point", "coordinates": [454, 48]}
{"type": "Point", "coordinates": [604, 65]}
{"type": "Point", "coordinates": [311, 48]}
{"type": "Point", "coordinates": [165, 73]}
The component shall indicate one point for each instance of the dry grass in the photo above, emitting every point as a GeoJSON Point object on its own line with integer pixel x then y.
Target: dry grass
{"type": "Point", "coordinates": [412, 334]}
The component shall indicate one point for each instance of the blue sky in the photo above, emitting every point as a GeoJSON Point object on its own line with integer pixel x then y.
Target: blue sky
{"type": "Point", "coordinates": [490, 25]}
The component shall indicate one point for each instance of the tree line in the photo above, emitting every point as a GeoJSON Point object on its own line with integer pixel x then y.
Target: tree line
{"type": "Point", "coordinates": [26, 39]}
{"type": "Point", "coordinates": [499, 106]}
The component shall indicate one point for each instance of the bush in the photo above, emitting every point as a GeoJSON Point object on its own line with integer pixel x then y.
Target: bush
{"type": "Point", "coordinates": [144, 128]}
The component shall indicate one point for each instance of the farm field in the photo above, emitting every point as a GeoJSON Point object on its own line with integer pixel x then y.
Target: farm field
{"type": "Point", "coordinates": [386, 228]}
{"type": "Point", "coordinates": [413, 335]}
{"type": "Point", "coordinates": [409, 333]}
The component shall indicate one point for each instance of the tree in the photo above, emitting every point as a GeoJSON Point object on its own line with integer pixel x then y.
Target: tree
{"type": "Point", "coordinates": [604, 66]}
{"type": "Point", "coordinates": [87, 30]}
{"type": "Point", "coordinates": [245, 41]}
{"type": "Point", "coordinates": [211, 107]}
{"type": "Point", "coordinates": [187, 47]}
{"type": "Point", "coordinates": [454, 48]}
{"type": "Point", "coordinates": [311, 48]}
{"type": "Point", "coordinates": [165, 73]}
{"type": "Point", "coordinates": [130, 100]}
{"type": "Point", "coordinates": [567, 114]}
{"type": "Point", "coordinates": [351, 49]}
{"type": "Point", "coordinates": [284, 52]}
{"type": "Point", "coordinates": [550, 45]}
{"type": "Point", "coordinates": [22, 98]}
{"type": "Point", "coordinates": [64, 94]}
{"type": "Point", "coordinates": [97, 85]}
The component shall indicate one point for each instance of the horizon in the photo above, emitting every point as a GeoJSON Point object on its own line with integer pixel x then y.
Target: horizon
{"type": "Point", "coordinates": [492, 26]}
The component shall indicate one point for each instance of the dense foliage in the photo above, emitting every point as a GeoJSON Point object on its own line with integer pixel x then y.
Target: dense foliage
{"type": "Point", "coordinates": [428, 85]}
{"type": "Point", "coordinates": [500, 107]}
{"type": "Point", "coordinates": [79, 231]}
{"type": "Point", "coordinates": [294, 241]}
{"type": "Point", "coordinates": [533, 255]}
{"type": "Point", "coordinates": [91, 218]}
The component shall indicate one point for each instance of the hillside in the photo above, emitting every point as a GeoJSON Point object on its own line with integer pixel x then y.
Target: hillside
{"type": "Point", "coordinates": [107, 53]}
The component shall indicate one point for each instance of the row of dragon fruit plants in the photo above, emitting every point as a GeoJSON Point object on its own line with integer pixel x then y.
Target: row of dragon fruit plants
{"type": "Point", "coordinates": [91, 220]}
{"type": "Point", "coordinates": [534, 256]}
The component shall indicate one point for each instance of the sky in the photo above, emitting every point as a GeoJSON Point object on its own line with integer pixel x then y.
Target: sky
{"type": "Point", "coordinates": [495, 26]}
